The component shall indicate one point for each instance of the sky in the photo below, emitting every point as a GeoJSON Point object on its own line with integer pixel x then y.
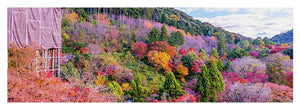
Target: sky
{"type": "Point", "coordinates": [250, 22]}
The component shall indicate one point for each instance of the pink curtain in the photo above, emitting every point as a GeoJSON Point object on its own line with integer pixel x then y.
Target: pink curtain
{"type": "Point", "coordinates": [41, 26]}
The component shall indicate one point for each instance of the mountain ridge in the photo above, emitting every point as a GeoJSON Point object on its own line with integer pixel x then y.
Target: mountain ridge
{"type": "Point", "coordinates": [285, 37]}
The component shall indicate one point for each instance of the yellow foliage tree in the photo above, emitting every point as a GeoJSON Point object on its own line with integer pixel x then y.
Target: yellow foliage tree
{"type": "Point", "coordinates": [159, 59]}
{"type": "Point", "coordinates": [100, 80]}
{"type": "Point", "coordinates": [125, 86]}
{"type": "Point", "coordinates": [148, 24]}
{"type": "Point", "coordinates": [73, 17]}
{"type": "Point", "coordinates": [182, 70]}
{"type": "Point", "coordinates": [174, 17]}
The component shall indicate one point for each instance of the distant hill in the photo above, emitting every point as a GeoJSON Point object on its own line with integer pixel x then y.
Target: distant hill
{"type": "Point", "coordinates": [171, 17]}
{"type": "Point", "coordinates": [286, 37]}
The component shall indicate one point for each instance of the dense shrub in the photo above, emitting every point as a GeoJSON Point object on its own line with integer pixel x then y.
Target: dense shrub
{"type": "Point", "coordinates": [238, 92]}
{"type": "Point", "coordinates": [182, 51]}
{"type": "Point", "coordinates": [196, 65]}
{"type": "Point", "coordinates": [244, 65]}
{"type": "Point", "coordinates": [189, 58]}
{"type": "Point", "coordinates": [276, 74]}
{"type": "Point", "coordinates": [289, 78]}
{"type": "Point", "coordinates": [139, 49]}
{"type": "Point", "coordinates": [254, 54]}
{"type": "Point", "coordinates": [281, 93]}
{"type": "Point", "coordinates": [263, 53]}
{"type": "Point", "coordinates": [288, 51]}
{"type": "Point", "coordinates": [186, 98]}
{"type": "Point", "coordinates": [277, 60]}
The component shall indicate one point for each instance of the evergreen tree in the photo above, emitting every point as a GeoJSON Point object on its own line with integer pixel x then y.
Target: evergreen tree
{"type": "Point", "coordinates": [176, 39]}
{"type": "Point", "coordinates": [221, 45]}
{"type": "Point", "coordinates": [153, 35]}
{"type": "Point", "coordinates": [203, 85]}
{"type": "Point", "coordinates": [217, 82]}
{"type": "Point", "coordinates": [171, 87]}
{"type": "Point", "coordinates": [249, 48]}
{"type": "Point", "coordinates": [230, 38]}
{"type": "Point", "coordinates": [214, 53]}
{"type": "Point", "coordinates": [133, 37]}
{"type": "Point", "coordinates": [263, 53]}
{"type": "Point", "coordinates": [227, 64]}
{"type": "Point", "coordinates": [220, 65]}
{"type": "Point", "coordinates": [165, 19]}
{"type": "Point", "coordinates": [115, 88]}
{"type": "Point", "coordinates": [238, 52]}
{"type": "Point", "coordinates": [164, 34]}
{"type": "Point", "coordinates": [203, 52]}
{"type": "Point", "coordinates": [267, 41]}
{"type": "Point", "coordinates": [180, 38]}
{"type": "Point", "coordinates": [288, 51]}
{"type": "Point", "coordinates": [243, 44]}
{"type": "Point", "coordinates": [258, 41]}
{"type": "Point", "coordinates": [137, 90]}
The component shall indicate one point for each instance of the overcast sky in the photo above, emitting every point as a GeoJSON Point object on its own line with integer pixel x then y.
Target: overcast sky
{"type": "Point", "coordinates": [250, 22]}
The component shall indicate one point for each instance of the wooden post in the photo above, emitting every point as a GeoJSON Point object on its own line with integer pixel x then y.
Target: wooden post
{"type": "Point", "coordinates": [58, 63]}
{"type": "Point", "coordinates": [52, 68]}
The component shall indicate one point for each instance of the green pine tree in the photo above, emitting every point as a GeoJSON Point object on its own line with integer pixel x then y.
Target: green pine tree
{"type": "Point", "coordinates": [203, 52]}
{"type": "Point", "coordinates": [176, 39]}
{"type": "Point", "coordinates": [171, 87]}
{"type": "Point", "coordinates": [227, 65]}
{"type": "Point", "coordinates": [214, 53]}
{"type": "Point", "coordinates": [164, 34]}
{"type": "Point", "coordinates": [220, 65]}
{"type": "Point", "coordinates": [238, 52]}
{"type": "Point", "coordinates": [137, 90]}
{"type": "Point", "coordinates": [203, 85]}
{"type": "Point", "coordinates": [217, 82]}
{"type": "Point", "coordinates": [221, 45]}
{"type": "Point", "coordinates": [115, 88]}
{"type": "Point", "coordinates": [153, 35]}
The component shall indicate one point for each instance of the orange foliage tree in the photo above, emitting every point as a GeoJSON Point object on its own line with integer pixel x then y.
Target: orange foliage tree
{"type": "Point", "coordinates": [163, 47]}
{"type": "Point", "coordinates": [159, 59]}
{"type": "Point", "coordinates": [102, 19]}
{"type": "Point", "coordinates": [183, 71]}
{"type": "Point", "coordinates": [73, 17]}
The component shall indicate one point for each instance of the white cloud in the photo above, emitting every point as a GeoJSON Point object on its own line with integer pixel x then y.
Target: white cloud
{"type": "Point", "coordinates": [188, 10]}
{"type": "Point", "coordinates": [231, 10]}
{"type": "Point", "coordinates": [256, 23]}
{"type": "Point", "coordinates": [269, 10]}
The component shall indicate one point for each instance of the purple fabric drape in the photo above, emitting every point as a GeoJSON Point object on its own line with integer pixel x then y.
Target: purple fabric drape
{"type": "Point", "coordinates": [41, 26]}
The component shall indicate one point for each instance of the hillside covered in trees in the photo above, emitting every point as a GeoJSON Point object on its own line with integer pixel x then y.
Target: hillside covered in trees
{"type": "Point", "coordinates": [153, 55]}
{"type": "Point", "coordinates": [286, 37]}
